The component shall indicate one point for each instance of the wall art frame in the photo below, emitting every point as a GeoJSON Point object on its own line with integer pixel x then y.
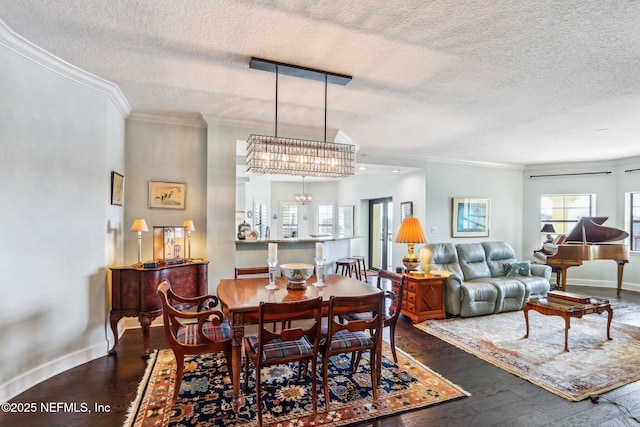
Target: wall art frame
{"type": "Point", "coordinates": [471, 217]}
{"type": "Point", "coordinates": [406, 210]}
{"type": "Point", "coordinates": [117, 188]}
{"type": "Point", "coordinates": [167, 195]}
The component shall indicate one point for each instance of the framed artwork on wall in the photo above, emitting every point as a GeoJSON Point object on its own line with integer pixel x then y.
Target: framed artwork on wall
{"type": "Point", "coordinates": [117, 188]}
{"type": "Point", "coordinates": [406, 210]}
{"type": "Point", "coordinates": [167, 195]}
{"type": "Point", "coordinates": [471, 217]}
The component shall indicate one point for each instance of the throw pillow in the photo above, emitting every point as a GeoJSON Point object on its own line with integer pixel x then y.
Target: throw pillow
{"type": "Point", "coordinates": [522, 268]}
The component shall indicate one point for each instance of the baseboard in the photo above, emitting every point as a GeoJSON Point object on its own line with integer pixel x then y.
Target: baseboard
{"type": "Point", "coordinates": [603, 284]}
{"type": "Point", "coordinates": [28, 379]}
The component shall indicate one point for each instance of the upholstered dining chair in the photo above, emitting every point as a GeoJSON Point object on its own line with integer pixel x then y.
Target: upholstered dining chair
{"type": "Point", "coordinates": [392, 285]}
{"type": "Point", "coordinates": [193, 332]}
{"type": "Point", "coordinates": [298, 343]}
{"type": "Point", "coordinates": [344, 335]}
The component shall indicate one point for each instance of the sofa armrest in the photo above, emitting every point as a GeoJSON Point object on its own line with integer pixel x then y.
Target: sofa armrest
{"type": "Point", "coordinates": [541, 270]}
{"type": "Point", "coordinates": [452, 294]}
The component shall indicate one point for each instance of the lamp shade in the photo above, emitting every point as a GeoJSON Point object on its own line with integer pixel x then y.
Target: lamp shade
{"type": "Point", "coordinates": [139, 225]}
{"type": "Point", "coordinates": [548, 228]}
{"type": "Point", "coordinates": [188, 225]}
{"type": "Point", "coordinates": [410, 231]}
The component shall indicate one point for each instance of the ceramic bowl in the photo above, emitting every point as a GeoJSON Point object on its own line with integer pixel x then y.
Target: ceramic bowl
{"type": "Point", "coordinates": [296, 273]}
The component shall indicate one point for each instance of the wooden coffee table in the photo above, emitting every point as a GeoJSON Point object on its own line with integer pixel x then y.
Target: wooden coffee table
{"type": "Point", "coordinates": [568, 305]}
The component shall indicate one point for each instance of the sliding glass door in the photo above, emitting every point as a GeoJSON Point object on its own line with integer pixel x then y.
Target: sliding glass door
{"type": "Point", "coordinates": [380, 233]}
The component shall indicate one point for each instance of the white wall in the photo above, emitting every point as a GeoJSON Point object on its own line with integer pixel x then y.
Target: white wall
{"type": "Point", "coordinates": [171, 152]}
{"type": "Point", "coordinates": [61, 135]}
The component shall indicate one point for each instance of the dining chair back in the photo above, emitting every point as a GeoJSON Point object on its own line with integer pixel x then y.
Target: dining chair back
{"type": "Point", "coordinates": [193, 332]}
{"type": "Point", "coordinates": [298, 342]}
{"type": "Point", "coordinates": [393, 286]}
{"type": "Point", "coordinates": [250, 271]}
{"type": "Point", "coordinates": [345, 335]}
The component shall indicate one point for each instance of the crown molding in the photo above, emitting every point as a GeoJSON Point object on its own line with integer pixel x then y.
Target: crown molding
{"type": "Point", "coordinates": [37, 55]}
{"type": "Point", "coordinates": [179, 119]}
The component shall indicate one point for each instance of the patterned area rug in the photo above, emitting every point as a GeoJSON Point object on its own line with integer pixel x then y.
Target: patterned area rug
{"type": "Point", "coordinates": [592, 366]}
{"type": "Point", "coordinates": [205, 395]}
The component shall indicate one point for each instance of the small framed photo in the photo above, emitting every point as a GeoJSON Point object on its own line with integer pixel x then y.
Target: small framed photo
{"type": "Point", "coordinates": [167, 195]}
{"type": "Point", "coordinates": [117, 188]}
{"type": "Point", "coordinates": [406, 210]}
{"type": "Point", "coordinates": [470, 217]}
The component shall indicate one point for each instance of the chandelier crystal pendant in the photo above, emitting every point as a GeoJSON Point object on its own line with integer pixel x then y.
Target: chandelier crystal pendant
{"type": "Point", "coordinates": [290, 156]}
{"type": "Point", "coordinates": [303, 198]}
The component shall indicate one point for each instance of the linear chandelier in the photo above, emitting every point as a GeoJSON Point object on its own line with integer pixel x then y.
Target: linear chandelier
{"type": "Point", "coordinates": [290, 156]}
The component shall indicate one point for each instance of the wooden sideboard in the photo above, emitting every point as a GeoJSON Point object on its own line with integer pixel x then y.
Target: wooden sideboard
{"type": "Point", "coordinates": [133, 292]}
{"type": "Point", "coordinates": [423, 297]}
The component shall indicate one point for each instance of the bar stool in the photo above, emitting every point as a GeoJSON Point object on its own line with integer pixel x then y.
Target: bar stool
{"type": "Point", "coordinates": [361, 266]}
{"type": "Point", "coordinates": [348, 267]}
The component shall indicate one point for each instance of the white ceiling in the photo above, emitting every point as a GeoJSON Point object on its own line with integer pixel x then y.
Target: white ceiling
{"type": "Point", "coordinates": [508, 82]}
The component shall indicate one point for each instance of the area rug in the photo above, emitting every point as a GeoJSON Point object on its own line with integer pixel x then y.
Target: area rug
{"type": "Point", "coordinates": [205, 394]}
{"type": "Point", "coordinates": [593, 364]}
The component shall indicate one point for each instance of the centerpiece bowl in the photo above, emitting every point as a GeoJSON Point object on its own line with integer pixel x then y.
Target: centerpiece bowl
{"type": "Point", "coordinates": [296, 274]}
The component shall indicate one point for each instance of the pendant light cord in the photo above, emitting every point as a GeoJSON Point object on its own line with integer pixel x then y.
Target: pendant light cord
{"type": "Point", "coordinates": [325, 108]}
{"type": "Point", "coordinates": [277, 100]}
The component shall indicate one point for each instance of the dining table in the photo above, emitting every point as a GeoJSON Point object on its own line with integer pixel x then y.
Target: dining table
{"type": "Point", "coordinates": [240, 301]}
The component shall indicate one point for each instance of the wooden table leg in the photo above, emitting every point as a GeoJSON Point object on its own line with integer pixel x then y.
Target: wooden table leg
{"type": "Point", "coordinates": [526, 320]}
{"type": "Point", "coordinates": [237, 334]}
{"type": "Point", "coordinates": [567, 326]}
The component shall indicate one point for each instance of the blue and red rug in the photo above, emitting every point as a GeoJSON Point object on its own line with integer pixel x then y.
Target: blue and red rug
{"type": "Point", "coordinates": [205, 393]}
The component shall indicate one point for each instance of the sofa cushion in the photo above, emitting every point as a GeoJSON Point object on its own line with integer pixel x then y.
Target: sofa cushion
{"type": "Point", "coordinates": [535, 286]}
{"type": "Point", "coordinates": [440, 256]}
{"type": "Point", "coordinates": [477, 298]}
{"type": "Point", "coordinates": [522, 268]}
{"type": "Point", "coordinates": [498, 255]}
{"type": "Point", "coordinates": [472, 261]}
{"type": "Point", "coordinates": [511, 293]}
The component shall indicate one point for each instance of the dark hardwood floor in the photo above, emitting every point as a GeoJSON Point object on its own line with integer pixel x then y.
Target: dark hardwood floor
{"type": "Point", "coordinates": [498, 398]}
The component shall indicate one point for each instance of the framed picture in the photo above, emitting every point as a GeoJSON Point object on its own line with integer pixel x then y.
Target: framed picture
{"type": "Point", "coordinates": [406, 210]}
{"type": "Point", "coordinates": [117, 188]}
{"type": "Point", "coordinates": [167, 195]}
{"type": "Point", "coordinates": [471, 217]}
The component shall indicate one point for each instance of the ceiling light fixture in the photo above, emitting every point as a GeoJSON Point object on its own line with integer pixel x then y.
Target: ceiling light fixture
{"type": "Point", "coordinates": [289, 156]}
{"type": "Point", "coordinates": [303, 198]}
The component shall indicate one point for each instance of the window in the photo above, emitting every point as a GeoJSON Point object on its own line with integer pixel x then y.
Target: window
{"type": "Point", "coordinates": [633, 200]}
{"type": "Point", "coordinates": [260, 219]}
{"type": "Point", "coordinates": [289, 220]}
{"type": "Point", "coordinates": [325, 218]}
{"type": "Point", "coordinates": [563, 210]}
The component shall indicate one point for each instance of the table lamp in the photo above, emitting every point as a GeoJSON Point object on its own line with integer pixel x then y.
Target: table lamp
{"type": "Point", "coordinates": [410, 233]}
{"type": "Point", "coordinates": [548, 228]}
{"type": "Point", "coordinates": [139, 225]}
{"type": "Point", "coordinates": [189, 227]}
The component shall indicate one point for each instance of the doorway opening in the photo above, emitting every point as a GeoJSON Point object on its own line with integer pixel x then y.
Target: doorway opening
{"type": "Point", "coordinates": [380, 233]}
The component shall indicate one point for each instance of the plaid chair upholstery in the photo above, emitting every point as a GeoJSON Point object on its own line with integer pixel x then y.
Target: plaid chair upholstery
{"type": "Point", "coordinates": [188, 334]}
{"type": "Point", "coordinates": [278, 349]}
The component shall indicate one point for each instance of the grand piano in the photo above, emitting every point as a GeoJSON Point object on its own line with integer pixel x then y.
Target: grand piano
{"type": "Point", "coordinates": [588, 240]}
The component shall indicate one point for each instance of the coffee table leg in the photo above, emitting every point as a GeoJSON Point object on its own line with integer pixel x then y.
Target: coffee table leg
{"type": "Point", "coordinates": [610, 311]}
{"type": "Point", "coordinates": [526, 320]}
{"type": "Point", "coordinates": [567, 326]}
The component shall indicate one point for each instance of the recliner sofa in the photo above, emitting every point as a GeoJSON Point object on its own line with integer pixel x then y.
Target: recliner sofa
{"type": "Point", "coordinates": [485, 277]}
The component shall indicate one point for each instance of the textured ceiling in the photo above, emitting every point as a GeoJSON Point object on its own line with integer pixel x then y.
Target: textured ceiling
{"type": "Point", "coordinates": [508, 82]}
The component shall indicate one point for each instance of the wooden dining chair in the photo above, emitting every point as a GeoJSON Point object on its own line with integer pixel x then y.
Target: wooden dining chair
{"type": "Point", "coordinates": [250, 271]}
{"type": "Point", "coordinates": [344, 335]}
{"type": "Point", "coordinates": [298, 343]}
{"type": "Point", "coordinates": [392, 284]}
{"type": "Point", "coordinates": [193, 332]}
